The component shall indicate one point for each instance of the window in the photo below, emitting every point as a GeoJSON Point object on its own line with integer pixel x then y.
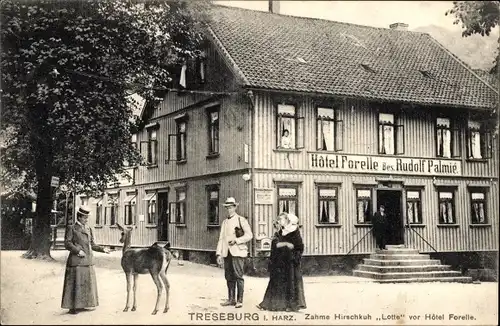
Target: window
{"type": "Point", "coordinates": [363, 205]}
{"type": "Point", "coordinates": [201, 67]}
{"type": "Point", "coordinates": [111, 211]}
{"type": "Point", "coordinates": [98, 212]}
{"type": "Point", "coordinates": [478, 207]}
{"type": "Point", "coordinates": [149, 148]}
{"type": "Point", "coordinates": [178, 208]}
{"type": "Point", "coordinates": [413, 207]}
{"type": "Point", "coordinates": [329, 130]}
{"type": "Point", "coordinates": [213, 205]}
{"type": "Point", "coordinates": [213, 131]}
{"type": "Point", "coordinates": [289, 131]}
{"type": "Point", "coordinates": [327, 205]}
{"type": "Point", "coordinates": [390, 135]}
{"type": "Point", "coordinates": [479, 142]}
{"type": "Point", "coordinates": [130, 209]}
{"type": "Point", "coordinates": [150, 200]}
{"type": "Point", "coordinates": [177, 150]}
{"type": "Point", "coordinates": [443, 136]}
{"type": "Point", "coordinates": [288, 199]}
{"type": "Point", "coordinates": [133, 140]}
{"type": "Point", "coordinates": [446, 199]}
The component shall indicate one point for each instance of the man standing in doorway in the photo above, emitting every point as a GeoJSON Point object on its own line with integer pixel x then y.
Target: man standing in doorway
{"type": "Point", "coordinates": [232, 250]}
{"type": "Point", "coordinates": [380, 227]}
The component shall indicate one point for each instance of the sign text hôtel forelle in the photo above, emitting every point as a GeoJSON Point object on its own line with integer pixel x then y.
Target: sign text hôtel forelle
{"type": "Point", "coordinates": [383, 164]}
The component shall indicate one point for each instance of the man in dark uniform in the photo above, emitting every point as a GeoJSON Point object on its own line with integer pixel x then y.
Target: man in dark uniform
{"type": "Point", "coordinates": [380, 227]}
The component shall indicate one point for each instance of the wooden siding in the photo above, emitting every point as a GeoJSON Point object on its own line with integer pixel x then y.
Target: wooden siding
{"type": "Point", "coordinates": [328, 240]}
{"type": "Point", "coordinates": [194, 234]}
{"type": "Point", "coordinates": [234, 132]}
{"type": "Point", "coordinates": [360, 133]}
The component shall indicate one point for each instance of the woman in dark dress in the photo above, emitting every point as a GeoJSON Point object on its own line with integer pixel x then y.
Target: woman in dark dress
{"type": "Point", "coordinates": [285, 291]}
{"type": "Point", "coordinates": [80, 285]}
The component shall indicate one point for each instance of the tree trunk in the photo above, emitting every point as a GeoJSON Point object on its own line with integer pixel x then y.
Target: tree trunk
{"type": "Point", "coordinates": [42, 235]}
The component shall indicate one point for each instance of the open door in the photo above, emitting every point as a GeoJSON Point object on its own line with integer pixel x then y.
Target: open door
{"type": "Point", "coordinates": [163, 216]}
{"type": "Point", "coordinates": [391, 199]}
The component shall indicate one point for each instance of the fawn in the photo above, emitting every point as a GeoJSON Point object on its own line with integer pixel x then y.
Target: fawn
{"type": "Point", "coordinates": [153, 260]}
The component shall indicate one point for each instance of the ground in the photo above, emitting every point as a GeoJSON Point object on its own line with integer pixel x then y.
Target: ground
{"type": "Point", "coordinates": [31, 294]}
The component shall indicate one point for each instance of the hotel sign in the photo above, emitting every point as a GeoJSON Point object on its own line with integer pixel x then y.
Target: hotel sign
{"type": "Point", "coordinates": [384, 164]}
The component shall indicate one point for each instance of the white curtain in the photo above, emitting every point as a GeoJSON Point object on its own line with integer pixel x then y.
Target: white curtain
{"type": "Point", "coordinates": [361, 211]}
{"type": "Point", "coordinates": [442, 212]}
{"type": "Point", "coordinates": [410, 213]}
{"type": "Point", "coordinates": [182, 80]}
{"type": "Point", "coordinates": [327, 137]}
{"type": "Point", "coordinates": [446, 143]}
{"type": "Point", "coordinates": [332, 217]}
{"type": "Point", "coordinates": [287, 124]}
{"type": "Point", "coordinates": [481, 213]}
{"type": "Point", "coordinates": [476, 144]}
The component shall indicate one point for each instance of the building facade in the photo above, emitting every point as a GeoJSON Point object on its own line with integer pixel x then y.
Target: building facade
{"type": "Point", "coordinates": [283, 120]}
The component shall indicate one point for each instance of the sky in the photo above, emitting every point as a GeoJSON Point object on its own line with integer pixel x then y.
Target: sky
{"type": "Point", "coordinates": [370, 13]}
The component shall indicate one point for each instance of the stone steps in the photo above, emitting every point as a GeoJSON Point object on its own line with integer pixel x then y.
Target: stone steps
{"type": "Point", "coordinates": [398, 264]}
{"type": "Point", "coordinates": [401, 262]}
{"type": "Point", "coordinates": [403, 269]}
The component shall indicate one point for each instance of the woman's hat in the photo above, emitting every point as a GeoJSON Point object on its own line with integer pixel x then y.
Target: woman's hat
{"type": "Point", "coordinates": [230, 201]}
{"type": "Point", "coordinates": [294, 220]}
{"type": "Point", "coordinates": [82, 210]}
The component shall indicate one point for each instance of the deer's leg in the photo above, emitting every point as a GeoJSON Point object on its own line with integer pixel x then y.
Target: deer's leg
{"type": "Point", "coordinates": [167, 288]}
{"type": "Point", "coordinates": [134, 305]}
{"type": "Point", "coordinates": [127, 275]}
{"type": "Point", "coordinates": [159, 287]}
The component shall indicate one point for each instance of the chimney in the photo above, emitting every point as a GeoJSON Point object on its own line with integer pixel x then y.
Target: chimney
{"type": "Point", "coordinates": [274, 7]}
{"type": "Point", "coordinates": [399, 26]}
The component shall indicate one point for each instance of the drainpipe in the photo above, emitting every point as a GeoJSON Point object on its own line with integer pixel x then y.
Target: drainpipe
{"type": "Point", "coordinates": [250, 96]}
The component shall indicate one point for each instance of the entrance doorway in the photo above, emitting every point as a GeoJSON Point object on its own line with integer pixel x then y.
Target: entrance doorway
{"type": "Point", "coordinates": [391, 199]}
{"type": "Point", "coordinates": [162, 216]}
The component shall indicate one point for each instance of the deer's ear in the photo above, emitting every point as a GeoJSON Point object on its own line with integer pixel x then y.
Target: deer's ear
{"type": "Point", "coordinates": [167, 245]}
{"type": "Point", "coordinates": [120, 227]}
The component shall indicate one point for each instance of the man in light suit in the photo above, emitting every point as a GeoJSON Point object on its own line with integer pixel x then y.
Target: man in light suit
{"type": "Point", "coordinates": [232, 251]}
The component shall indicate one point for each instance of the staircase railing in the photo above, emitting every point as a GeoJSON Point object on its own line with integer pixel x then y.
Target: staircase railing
{"type": "Point", "coordinates": [420, 236]}
{"type": "Point", "coordinates": [357, 243]}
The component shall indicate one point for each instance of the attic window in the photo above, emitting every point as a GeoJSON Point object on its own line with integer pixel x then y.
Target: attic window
{"type": "Point", "coordinates": [368, 68]}
{"type": "Point", "coordinates": [426, 73]}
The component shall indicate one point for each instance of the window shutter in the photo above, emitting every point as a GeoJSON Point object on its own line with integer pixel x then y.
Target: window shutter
{"type": "Point", "coordinates": [486, 145]}
{"type": "Point", "coordinates": [172, 148]}
{"type": "Point", "coordinates": [300, 133]}
{"type": "Point", "coordinates": [469, 143]}
{"type": "Point", "coordinates": [400, 139]}
{"type": "Point", "coordinates": [339, 135]}
{"type": "Point", "coordinates": [154, 149]}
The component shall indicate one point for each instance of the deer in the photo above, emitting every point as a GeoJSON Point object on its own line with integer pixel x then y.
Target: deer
{"type": "Point", "coordinates": [153, 260]}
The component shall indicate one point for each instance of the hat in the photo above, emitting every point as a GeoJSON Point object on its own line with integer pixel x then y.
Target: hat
{"type": "Point", "coordinates": [230, 201]}
{"type": "Point", "coordinates": [294, 220]}
{"type": "Point", "coordinates": [83, 210]}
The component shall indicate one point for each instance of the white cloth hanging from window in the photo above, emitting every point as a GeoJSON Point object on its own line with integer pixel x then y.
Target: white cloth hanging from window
{"type": "Point", "coordinates": [182, 80]}
{"type": "Point", "coordinates": [476, 144]}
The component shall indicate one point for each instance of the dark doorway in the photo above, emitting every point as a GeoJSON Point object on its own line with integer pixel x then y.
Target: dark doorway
{"type": "Point", "coordinates": [162, 216]}
{"type": "Point", "coordinates": [391, 199]}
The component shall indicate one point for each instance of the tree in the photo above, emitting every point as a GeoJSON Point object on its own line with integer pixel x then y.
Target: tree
{"type": "Point", "coordinates": [477, 17]}
{"type": "Point", "coordinates": [67, 70]}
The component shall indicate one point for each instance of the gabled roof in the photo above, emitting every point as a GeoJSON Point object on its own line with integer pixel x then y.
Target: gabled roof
{"type": "Point", "coordinates": [289, 53]}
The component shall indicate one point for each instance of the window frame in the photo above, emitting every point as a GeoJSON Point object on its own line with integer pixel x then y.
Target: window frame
{"type": "Point", "coordinates": [485, 192]}
{"type": "Point", "coordinates": [209, 189]}
{"type": "Point", "coordinates": [320, 198]}
{"type": "Point", "coordinates": [413, 200]}
{"type": "Point", "coordinates": [151, 146]}
{"type": "Point", "coordinates": [338, 128]}
{"type": "Point", "coordinates": [295, 199]}
{"type": "Point", "coordinates": [213, 137]}
{"type": "Point", "coordinates": [298, 126]}
{"type": "Point", "coordinates": [112, 208]}
{"type": "Point", "coordinates": [453, 191]}
{"type": "Point", "coordinates": [98, 212]}
{"type": "Point", "coordinates": [485, 140]}
{"type": "Point", "coordinates": [397, 128]}
{"type": "Point", "coordinates": [175, 143]}
{"type": "Point", "coordinates": [174, 207]}
{"type": "Point", "coordinates": [369, 212]}
{"type": "Point", "coordinates": [129, 209]}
